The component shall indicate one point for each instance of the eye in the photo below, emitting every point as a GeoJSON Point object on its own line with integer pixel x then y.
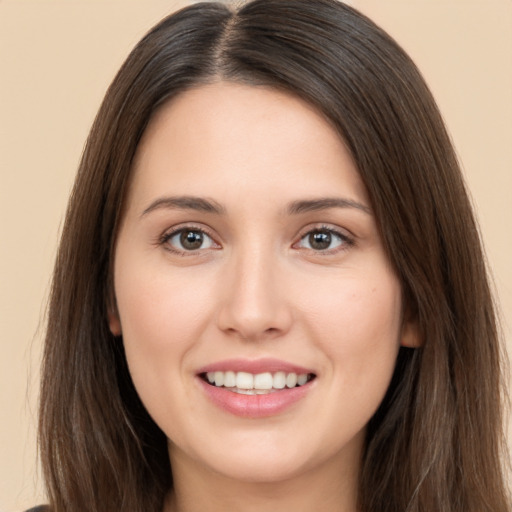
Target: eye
{"type": "Point", "coordinates": [188, 240]}
{"type": "Point", "coordinates": [323, 239]}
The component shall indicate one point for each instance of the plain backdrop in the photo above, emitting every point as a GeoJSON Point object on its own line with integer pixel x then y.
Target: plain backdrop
{"type": "Point", "coordinates": [56, 61]}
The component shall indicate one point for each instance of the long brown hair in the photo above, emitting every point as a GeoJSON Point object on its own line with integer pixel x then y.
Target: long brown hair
{"type": "Point", "coordinates": [436, 443]}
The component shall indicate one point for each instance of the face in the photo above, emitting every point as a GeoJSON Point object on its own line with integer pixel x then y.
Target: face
{"type": "Point", "coordinates": [260, 316]}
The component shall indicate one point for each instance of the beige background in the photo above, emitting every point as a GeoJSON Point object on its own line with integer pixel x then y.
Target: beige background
{"type": "Point", "coordinates": [56, 60]}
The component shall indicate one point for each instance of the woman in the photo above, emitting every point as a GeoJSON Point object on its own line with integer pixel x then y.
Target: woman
{"type": "Point", "coordinates": [270, 292]}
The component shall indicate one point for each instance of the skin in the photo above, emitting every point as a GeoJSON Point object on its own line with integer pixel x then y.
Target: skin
{"type": "Point", "coordinates": [255, 288]}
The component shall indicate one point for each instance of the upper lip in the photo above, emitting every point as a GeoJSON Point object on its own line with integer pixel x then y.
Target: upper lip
{"type": "Point", "coordinates": [254, 366]}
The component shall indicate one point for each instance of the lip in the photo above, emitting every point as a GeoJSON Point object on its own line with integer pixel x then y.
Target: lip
{"type": "Point", "coordinates": [254, 366]}
{"type": "Point", "coordinates": [254, 406]}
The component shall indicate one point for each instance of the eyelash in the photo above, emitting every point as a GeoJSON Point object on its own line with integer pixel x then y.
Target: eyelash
{"type": "Point", "coordinates": [166, 237]}
{"type": "Point", "coordinates": [345, 241]}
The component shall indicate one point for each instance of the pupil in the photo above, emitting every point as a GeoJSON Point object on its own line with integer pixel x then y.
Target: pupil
{"type": "Point", "coordinates": [191, 239]}
{"type": "Point", "coordinates": [320, 240]}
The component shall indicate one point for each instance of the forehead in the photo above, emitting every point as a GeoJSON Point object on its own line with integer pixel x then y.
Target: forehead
{"type": "Point", "coordinates": [242, 138]}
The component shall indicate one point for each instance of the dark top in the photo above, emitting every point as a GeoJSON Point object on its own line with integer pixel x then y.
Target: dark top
{"type": "Point", "coordinates": [41, 508]}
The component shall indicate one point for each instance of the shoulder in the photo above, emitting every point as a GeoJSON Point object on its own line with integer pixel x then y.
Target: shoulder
{"type": "Point", "coordinates": [41, 508]}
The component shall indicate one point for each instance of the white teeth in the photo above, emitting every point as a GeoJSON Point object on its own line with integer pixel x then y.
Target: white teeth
{"type": "Point", "coordinates": [280, 380]}
{"type": "Point", "coordinates": [251, 391]}
{"type": "Point", "coordinates": [244, 380]}
{"type": "Point", "coordinates": [219, 379]}
{"type": "Point", "coordinates": [302, 379]}
{"type": "Point", "coordinates": [230, 379]}
{"type": "Point", "coordinates": [291, 380]}
{"type": "Point", "coordinates": [261, 383]}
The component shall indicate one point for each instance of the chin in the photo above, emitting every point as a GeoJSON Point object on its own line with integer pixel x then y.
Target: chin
{"type": "Point", "coordinates": [268, 470]}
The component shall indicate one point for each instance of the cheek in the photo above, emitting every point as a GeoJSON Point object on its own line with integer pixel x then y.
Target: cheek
{"type": "Point", "coordinates": [162, 315]}
{"type": "Point", "coordinates": [357, 325]}
{"type": "Point", "coordinates": [158, 307]}
{"type": "Point", "coordinates": [359, 333]}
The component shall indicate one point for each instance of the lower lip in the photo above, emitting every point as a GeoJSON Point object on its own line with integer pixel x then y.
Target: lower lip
{"type": "Point", "coordinates": [255, 406]}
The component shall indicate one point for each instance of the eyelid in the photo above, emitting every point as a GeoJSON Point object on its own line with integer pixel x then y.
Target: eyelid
{"type": "Point", "coordinates": [168, 234]}
{"type": "Point", "coordinates": [348, 240]}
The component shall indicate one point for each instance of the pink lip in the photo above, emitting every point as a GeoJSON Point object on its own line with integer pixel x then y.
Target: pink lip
{"type": "Point", "coordinates": [254, 366]}
{"type": "Point", "coordinates": [254, 406]}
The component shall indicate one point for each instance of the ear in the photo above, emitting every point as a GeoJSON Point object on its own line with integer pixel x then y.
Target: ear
{"type": "Point", "coordinates": [114, 323]}
{"type": "Point", "coordinates": [410, 335]}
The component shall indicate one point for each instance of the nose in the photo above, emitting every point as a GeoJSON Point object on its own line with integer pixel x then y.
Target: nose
{"type": "Point", "coordinates": [255, 305]}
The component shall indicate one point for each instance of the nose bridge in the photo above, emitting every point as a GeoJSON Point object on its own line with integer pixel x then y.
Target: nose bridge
{"type": "Point", "coordinates": [255, 303]}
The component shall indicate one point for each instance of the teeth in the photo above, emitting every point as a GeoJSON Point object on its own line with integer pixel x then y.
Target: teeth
{"type": "Point", "coordinates": [291, 380]}
{"type": "Point", "coordinates": [302, 379]}
{"type": "Point", "coordinates": [249, 384]}
{"type": "Point", "coordinates": [263, 381]}
{"type": "Point", "coordinates": [230, 379]}
{"type": "Point", "coordinates": [243, 380]}
{"type": "Point", "coordinates": [219, 378]}
{"type": "Point", "coordinates": [279, 380]}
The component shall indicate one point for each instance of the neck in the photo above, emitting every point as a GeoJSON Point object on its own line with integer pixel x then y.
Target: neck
{"type": "Point", "coordinates": [330, 487]}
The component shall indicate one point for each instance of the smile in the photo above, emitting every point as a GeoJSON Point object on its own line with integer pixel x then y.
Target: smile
{"type": "Point", "coordinates": [256, 389]}
{"type": "Point", "coordinates": [246, 383]}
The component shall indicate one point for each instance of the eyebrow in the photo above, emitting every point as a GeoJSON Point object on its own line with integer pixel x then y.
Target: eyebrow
{"type": "Point", "coordinates": [324, 203]}
{"type": "Point", "coordinates": [199, 204]}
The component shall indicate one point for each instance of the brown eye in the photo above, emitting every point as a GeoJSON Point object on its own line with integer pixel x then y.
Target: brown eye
{"type": "Point", "coordinates": [191, 240]}
{"type": "Point", "coordinates": [188, 240]}
{"type": "Point", "coordinates": [323, 240]}
{"type": "Point", "coordinates": [320, 240]}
